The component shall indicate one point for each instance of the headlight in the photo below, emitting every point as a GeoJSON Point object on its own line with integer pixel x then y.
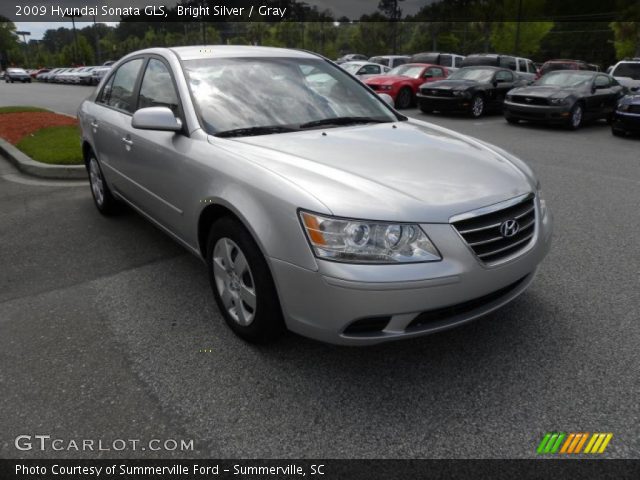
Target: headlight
{"type": "Point", "coordinates": [385, 87]}
{"type": "Point", "coordinates": [459, 93]}
{"type": "Point", "coordinates": [361, 241]}
{"type": "Point", "coordinates": [624, 107]}
{"type": "Point", "coordinates": [509, 98]}
{"type": "Point", "coordinates": [557, 101]}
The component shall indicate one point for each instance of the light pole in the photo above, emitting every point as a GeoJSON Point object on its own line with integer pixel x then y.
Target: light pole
{"type": "Point", "coordinates": [97, 38]}
{"type": "Point", "coordinates": [75, 37]}
{"type": "Point", "coordinates": [517, 47]}
{"type": "Point", "coordinates": [24, 40]}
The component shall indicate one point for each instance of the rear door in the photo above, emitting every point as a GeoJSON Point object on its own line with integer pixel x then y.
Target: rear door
{"type": "Point", "coordinates": [604, 97]}
{"type": "Point", "coordinates": [111, 124]}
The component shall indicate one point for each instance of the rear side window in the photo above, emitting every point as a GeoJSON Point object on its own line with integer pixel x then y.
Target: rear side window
{"type": "Point", "coordinates": [457, 61]}
{"type": "Point", "coordinates": [522, 65]}
{"type": "Point", "coordinates": [508, 62]}
{"type": "Point", "coordinates": [119, 91]}
{"type": "Point", "coordinates": [157, 89]}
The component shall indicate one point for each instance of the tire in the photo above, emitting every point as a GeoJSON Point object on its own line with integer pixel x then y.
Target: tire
{"type": "Point", "coordinates": [576, 117]}
{"type": "Point", "coordinates": [617, 132]}
{"type": "Point", "coordinates": [425, 109]}
{"type": "Point", "coordinates": [404, 99]}
{"type": "Point", "coordinates": [102, 197]}
{"type": "Point", "coordinates": [477, 106]}
{"type": "Point", "coordinates": [512, 120]}
{"type": "Point", "coordinates": [242, 284]}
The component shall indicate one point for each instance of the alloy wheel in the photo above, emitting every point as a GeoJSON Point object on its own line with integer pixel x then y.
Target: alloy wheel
{"type": "Point", "coordinates": [576, 116]}
{"type": "Point", "coordinates": [234, 281]}
{"type": "Point", "coordinates": [477, 108]}
{"type": "Point", "coordinates": [97, 183]}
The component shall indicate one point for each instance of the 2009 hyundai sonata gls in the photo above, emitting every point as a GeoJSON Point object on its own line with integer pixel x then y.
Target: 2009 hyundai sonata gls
{"type": "Point", "coordinates": [316, 206]}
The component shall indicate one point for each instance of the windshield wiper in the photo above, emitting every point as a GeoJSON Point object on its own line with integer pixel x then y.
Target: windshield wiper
{"type": "Point", "coordinates": [342, 121]}
{"type": "Point", "coordinates": [249, 131]}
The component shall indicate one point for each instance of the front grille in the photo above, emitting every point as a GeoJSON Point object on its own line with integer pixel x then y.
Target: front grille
{"type": "Point", "coordinates": [436, 93]}
{"type": "Point", "coordinates": [529, 100]}
{"type": "Point", "coordinates": [483, 232]}
{"type": "Point", "coordinates": [444, 313]}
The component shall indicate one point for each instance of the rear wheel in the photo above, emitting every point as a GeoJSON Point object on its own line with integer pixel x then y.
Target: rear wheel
{"type": "Point", "coordinates": [404, 98]}
{"type": "Point", "coordinates": [242, 284]}
{"type": "Point", "coordinates": [102, 197]}
{"type": "Point", "coordinates": [477, 106]}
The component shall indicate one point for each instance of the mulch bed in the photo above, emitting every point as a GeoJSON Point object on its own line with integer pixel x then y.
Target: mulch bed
{"type": "Point", "coordinates": [15, 126]}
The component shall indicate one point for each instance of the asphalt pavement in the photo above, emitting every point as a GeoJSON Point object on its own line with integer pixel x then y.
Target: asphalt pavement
{"type": "Point", "coordinates": [108, 330]}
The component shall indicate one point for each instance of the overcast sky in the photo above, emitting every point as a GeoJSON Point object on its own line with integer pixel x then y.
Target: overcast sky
{"type": "Point", "coordinates": [349, 8]}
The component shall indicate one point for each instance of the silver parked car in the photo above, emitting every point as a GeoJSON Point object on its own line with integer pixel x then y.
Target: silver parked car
{"type": "Point", "coordinates": [325, 212]}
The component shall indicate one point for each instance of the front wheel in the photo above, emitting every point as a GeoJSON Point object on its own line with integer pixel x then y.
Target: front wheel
{"type": "Point", "coordinates": [477, 106]}
{"type": "Point", "coordinates": [576, 117]}
{"type": "Point", "coordinates": [404, 98]}
{"type": "Point", "coordinates": [512, 120]}
{"type": "Point", "coordinates": [242, 284]}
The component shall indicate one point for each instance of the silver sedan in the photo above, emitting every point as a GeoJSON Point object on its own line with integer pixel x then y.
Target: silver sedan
{"type": "Point", "coordinates": [316, 206]}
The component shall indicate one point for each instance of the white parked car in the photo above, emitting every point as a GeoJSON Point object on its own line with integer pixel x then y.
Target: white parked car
{"type": "Point", "coordinates": [627, 72]}
{"type": "Point", "coordinates": [364, 70]}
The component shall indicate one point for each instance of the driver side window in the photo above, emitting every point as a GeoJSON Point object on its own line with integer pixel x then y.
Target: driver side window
{"type": "Point", "coordinates": [157, 88]}
{"type": "Point", "coordinates": [504, 76]}
{"type": "Point", "coordinates": [602, 81]}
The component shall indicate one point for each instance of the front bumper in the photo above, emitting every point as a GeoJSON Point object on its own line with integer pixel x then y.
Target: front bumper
{"type": "Point", "coordinates": [537, 113]}
{"type": "Point", "coordinates": [404, 301]}
{"type": "Point", "coordinates": [628, 122]}
{"type": "Point", "coordinates": [444, 104]}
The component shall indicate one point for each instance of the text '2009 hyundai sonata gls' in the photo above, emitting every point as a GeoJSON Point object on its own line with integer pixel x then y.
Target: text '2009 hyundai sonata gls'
{"type": "Point", "coordinates": [317, 207]}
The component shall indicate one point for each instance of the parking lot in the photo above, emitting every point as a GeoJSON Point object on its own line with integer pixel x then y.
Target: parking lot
{"type": "Point", "coordinates": [108, 330]}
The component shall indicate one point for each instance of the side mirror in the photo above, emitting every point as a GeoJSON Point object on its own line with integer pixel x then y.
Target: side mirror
{"type": "Point", "coordinates": [156, 118]}
{"type": "Point", "coordinates": [388, 99]}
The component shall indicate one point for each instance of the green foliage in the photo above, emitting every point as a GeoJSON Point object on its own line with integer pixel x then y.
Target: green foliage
{"type": "Point", "coordinates": [19, 108]}
{"type": "Point", "coordinates": [627, 39]}
{"type": "Point", "coordinates": [53, 145]}
{"type": "Point", "coordinates": [503, 37]}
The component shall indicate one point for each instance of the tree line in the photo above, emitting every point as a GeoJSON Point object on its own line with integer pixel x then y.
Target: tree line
{"type": "Point", "coordinates": [536, 29]}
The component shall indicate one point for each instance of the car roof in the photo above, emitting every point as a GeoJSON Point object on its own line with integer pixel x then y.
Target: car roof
{"type": "Point", "coordinates": [198, 52]}
{"type": "Point", "coordinates": [485, 67]}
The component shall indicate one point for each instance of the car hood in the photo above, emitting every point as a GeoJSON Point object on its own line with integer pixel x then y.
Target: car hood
{"type": "Point", "coordinates": [387, 79]}
{"type": "Point", "coordinates": [451, 84]}
{"type": "Point", "coordinates": [404, 171]}
{"type": "Point", "coordinates": [628, 82]}
{"type": "Point", "coordinates": [543, 91]}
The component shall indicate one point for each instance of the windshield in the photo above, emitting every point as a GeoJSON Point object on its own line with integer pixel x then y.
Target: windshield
{"type": "Point", "coordinates": [352, 67]}
{"type": "Point", "coordinates": [243, 93]}
{"type": "Point", "coordinates": [413, 71]}
{"type": "Point", "coordinates": [565, 78]}
{"type": "Point", "coordinates": [477, 74]}
{"type": "Point", "coordinates": [631, 70]}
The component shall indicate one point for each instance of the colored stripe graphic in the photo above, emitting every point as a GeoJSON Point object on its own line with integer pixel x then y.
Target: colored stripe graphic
{"type": "Point", "coordinates": [573, 443]}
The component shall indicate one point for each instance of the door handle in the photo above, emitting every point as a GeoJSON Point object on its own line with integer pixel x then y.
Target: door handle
{"type": "Point", "coordinates": [127, 141]}
{"type": "Point", "coordinates": [94, 124]}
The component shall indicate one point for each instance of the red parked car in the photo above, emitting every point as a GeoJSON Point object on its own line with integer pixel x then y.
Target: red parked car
{"type": "Point", "coordinates": [402, 82]}
{"type": "Point", "coordinates": [553, 65]}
